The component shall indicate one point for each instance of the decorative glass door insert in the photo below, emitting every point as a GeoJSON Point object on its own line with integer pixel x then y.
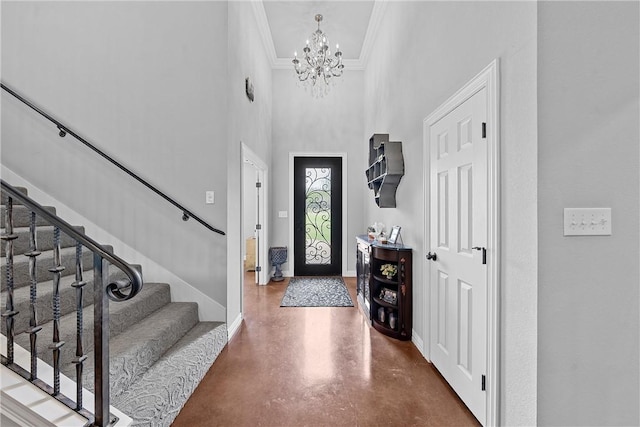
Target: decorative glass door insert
{"type": "Point", "coordinates": [318, 216]}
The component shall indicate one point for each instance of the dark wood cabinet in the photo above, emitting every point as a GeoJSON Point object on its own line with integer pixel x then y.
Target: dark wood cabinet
{"type": "Point", "coordinates": [384, 286]}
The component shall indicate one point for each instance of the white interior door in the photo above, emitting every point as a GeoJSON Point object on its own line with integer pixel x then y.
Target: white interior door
{"type": "Point", "coordinates": [458, 238]}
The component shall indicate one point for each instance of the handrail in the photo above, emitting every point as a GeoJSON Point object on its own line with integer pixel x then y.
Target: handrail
{"type": "Point", "coordinates": [103, 290]}
{"type": "Point", "coordinates": [113, 289]}
{"type": "Point", "coordinates": [64, 130]}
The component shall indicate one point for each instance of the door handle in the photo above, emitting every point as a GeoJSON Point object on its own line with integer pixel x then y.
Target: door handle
{"type": "Point", "coordinates": [484, 253]}
{"type": "Point", "coordinates": [432, 256]}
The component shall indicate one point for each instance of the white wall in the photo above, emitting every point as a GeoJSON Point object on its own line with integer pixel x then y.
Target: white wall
{"type": "Point", "coordinates": [146, 81]}
{"type": "Point", "coordinates": [304, 124]}
{"type": "Point", "coordinates": [424, 52]}
{"type": "Point", "coordinates": [249, 123]}
{"type": "Point", "coordinates": [589, 128]}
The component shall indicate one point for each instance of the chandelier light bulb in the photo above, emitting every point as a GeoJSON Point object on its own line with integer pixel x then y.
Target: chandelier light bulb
{"type": "Point", "coordinates": [317, 68]}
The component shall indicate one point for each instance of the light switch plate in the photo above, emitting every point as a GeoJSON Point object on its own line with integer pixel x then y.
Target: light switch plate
{"type": "Point", "coordinates": [587, 221]}
{"type": "Point", "coordinates": [209, 197]}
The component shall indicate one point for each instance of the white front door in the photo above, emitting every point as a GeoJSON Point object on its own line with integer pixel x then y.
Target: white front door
{"type": "Point", "coordinates": [458, 240]}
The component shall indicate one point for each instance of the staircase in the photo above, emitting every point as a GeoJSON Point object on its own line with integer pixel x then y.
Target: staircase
{"type": "Point", "coordinates": [159, 350]}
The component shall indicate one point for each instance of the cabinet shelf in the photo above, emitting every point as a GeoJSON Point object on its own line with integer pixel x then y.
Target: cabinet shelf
{"type": "Point", "coordinates": [371, 256]}
{"type": "Point", "coordinates": [386, 169]}
{"type": "Point", "coordinates": [383, 303]}
{"type": "Point", "coordinates": [393, 282]}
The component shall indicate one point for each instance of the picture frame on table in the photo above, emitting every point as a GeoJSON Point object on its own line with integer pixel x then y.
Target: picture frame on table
{"type": "Point", "coordinates": [395, 232]}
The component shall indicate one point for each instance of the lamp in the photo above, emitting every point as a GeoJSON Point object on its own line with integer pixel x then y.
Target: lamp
{"type": "Point", "coordinates": [317, 67]}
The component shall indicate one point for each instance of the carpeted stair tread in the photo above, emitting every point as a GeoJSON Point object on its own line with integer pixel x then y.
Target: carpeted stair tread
{"type": "Point", "coordinates": [22, 216]}
{"type": "Point", "coordinates": [44, 292]}
{"type": "Point", "coordinates": [158, 395]}
{"type": "Point", "coordinates": [3, 197]}
{"type": "Point", "coordinates": [121, 316]}
{"type": "Point", "coordinates": [139, 347]}
{"type": "Point", "coordinates": [44, 235]}
{"type": "Point", "coordinates": [43, 264]}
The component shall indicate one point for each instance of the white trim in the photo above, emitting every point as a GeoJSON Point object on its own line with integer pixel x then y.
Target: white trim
{"type": "Point", "coordinates": [418, 342]}
{"type": "Point", "coordinates": [345, 207]}
{"type": "Point", "coordinates": [248, 155]}
{"type": "Point", "coordinates": [181, 291]}
{"type": "Point", "coordinates": [487, 79]}
{"type": "Point", "coordinates": [349, 273]}
{"type": "Point", "coordinates": [375, 22]}
{"type": "Point", "coordinates": [264, 30]}
{"type": "Point", "coordinates": [233, 327]}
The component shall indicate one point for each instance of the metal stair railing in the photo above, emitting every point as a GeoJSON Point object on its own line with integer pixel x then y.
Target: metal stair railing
{"type": "Point", "coordinates": [104, 290]}
{"type": "Point", "coordinates": [64, 130]}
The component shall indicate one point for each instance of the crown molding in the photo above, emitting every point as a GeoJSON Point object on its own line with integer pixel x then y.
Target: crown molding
{"type": "Point", "coordinates": [264, 30]}
{"type": "Point", "coordinates": [375, 21]}
{"type": "Point", "coordinates": [379, 9]}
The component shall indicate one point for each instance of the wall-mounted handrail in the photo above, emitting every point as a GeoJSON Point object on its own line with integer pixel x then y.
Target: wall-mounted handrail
{"type": "Point", "coordinates": [64, 130]}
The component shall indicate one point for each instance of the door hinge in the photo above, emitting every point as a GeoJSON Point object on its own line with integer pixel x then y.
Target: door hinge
{"type": "Point", "coordinates": [484, 130]}
{"type": "Point", "coordinates": [484, 383]}
{"type": "Point", "coordinates": [258, 226]}
{"type": "Point", "coordinates": [258, 268]}
{"type": "Point", "coordinates": [258, 184]}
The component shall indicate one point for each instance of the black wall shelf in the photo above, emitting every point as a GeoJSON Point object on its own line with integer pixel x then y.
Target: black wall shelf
{"type": "Point", "coordinates": [386, 169]}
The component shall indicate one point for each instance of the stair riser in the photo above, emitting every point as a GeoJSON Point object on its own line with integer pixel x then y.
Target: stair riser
{"type": "Point", "coordinates": [156, 399]}
{"type": "Point", "coordinates": [122, 315]}
{"type": "Point", "coordinates": [133, 357]}
{"type": "Point", "coordinates": [44, 307]}
{"type": "Point", "coordinates": [43, 263]}
{"type": "Point", "coordinates": [4, 196]}
{"type": "Point", "coordinates": [44, 236]}
{"type": "Point", "coordinates": [22, 216]}
{"type": "Point", "coordinates": [44, 303]}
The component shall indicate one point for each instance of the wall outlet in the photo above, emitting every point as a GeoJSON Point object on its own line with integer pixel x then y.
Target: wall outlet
{"type": "Point", "coordinates": [209, 197]}
{"type": "Point", "coordinates": [282, 214]}
{"type": "Point", "coordinates": [587, 221]}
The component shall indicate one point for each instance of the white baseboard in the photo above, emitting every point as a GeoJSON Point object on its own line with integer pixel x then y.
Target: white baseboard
{"type": "Point", "coordinates": [181, 291]}
{"type": "Point", "coordinates": [350, 273]}
{"type": "Point", "coordinates": [233, 327]}
{"type": "Point", "coordinates": [419, 343]}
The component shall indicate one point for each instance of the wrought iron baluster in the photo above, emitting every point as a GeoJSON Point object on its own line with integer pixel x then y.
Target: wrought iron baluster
{"type": "Point", "coordinates": [101, 340]}
{"type": "Point", "coordinates": [9, 313]}
{"type": "Point", "coordinates": [80, 356]}
{"type": "Point", "coordinates": [33, 282]}
{"type": "Point", "coordinates": [57, 269]}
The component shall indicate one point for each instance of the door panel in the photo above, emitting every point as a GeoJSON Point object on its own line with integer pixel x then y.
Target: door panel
{"type": "Point", "coordinates": [458, 200]}
{"type": "Point", "coordinates": [317, 216]}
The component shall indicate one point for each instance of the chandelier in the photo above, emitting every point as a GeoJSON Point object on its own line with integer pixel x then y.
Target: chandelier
{"type": "Point", "coordinates": [317, 67]}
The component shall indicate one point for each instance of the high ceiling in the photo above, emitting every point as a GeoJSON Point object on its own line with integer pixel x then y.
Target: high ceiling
{"type": "Point", "coordinates": [290, 24]}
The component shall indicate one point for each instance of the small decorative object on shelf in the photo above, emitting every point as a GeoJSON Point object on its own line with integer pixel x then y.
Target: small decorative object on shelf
{"type": "Point", "coordinates": [389, 270]}
{"type": "Point", "coordinates": [395, 233]}
{"type": "Point", "coordinates": [392, 320]}
{"type": "Point", "coordinates": [389, 296]}
{"type": "Point", "coordinates": [381, 314]}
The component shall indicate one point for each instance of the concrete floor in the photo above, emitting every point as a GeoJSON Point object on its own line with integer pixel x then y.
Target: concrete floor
{"type": "Point", "coordinates": [318, 366]}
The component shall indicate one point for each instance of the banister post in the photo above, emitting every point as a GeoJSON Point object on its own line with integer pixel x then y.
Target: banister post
{"type": "Point", "coordinates": [101, 340]}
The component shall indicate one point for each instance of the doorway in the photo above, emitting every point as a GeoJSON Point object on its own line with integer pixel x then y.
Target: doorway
{"type": "Point", "coordinates": [461, 242]}
{"type": "Point", "coordinates": [254, 217]}
{"type": "Point", "coordinates": [317, 216]}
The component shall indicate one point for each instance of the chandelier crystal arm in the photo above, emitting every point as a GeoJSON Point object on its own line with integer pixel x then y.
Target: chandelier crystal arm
{"type": "Point", "coordinates": [317, 66]}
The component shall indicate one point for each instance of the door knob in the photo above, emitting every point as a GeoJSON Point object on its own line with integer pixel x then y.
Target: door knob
{"type": "Point", "coordinates": [432, 256]}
